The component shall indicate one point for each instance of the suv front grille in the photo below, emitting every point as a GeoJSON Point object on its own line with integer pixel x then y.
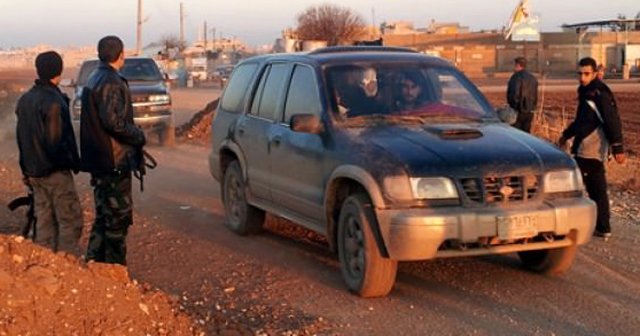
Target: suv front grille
{"type": "Point", "coordinates": [490, 190]}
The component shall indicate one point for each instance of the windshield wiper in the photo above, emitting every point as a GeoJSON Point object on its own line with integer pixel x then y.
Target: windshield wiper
{"type": "Point", "coordinates": [379, 118]}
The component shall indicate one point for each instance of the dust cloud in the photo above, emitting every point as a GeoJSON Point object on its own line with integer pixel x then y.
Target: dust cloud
{"type": "Point", "coordinates": [8, 100]}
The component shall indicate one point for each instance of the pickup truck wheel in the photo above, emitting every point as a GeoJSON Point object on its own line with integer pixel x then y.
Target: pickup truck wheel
{"type": "Point", "coordinates": [366, 272]}
{"type": "Point", "coordinates": [241, 217]}
{"type": "Point", "coordinates": [550, 262]}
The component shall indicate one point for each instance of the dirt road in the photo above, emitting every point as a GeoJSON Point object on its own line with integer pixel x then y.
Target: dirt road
{"type": "Point", "coordinates": [285, 282]}
{"type": "Point", "coordinates": [273, 284]}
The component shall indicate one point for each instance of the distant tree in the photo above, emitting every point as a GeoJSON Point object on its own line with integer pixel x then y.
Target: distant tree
{"type": "Point", "coordinates": [331, 23]}
{"type": "Point", "coordinates": [170, 42]}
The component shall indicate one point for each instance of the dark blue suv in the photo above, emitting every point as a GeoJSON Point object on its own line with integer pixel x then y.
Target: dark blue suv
{"type": "Point", "coordinates": [393, 156]}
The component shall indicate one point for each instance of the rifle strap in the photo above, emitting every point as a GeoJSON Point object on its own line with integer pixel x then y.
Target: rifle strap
{"type": "Point", "coordinates": [149, 161]}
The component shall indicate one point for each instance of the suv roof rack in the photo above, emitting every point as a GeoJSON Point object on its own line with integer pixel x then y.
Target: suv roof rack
{"type": "Point", "coordinates": [340, 49]}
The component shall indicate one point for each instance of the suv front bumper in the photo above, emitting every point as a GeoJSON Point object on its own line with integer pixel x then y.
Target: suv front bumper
{"type": "Point", "coordinates": [418, 234]}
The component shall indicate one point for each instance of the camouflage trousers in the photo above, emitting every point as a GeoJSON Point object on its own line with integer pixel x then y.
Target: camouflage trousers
{"type": "Point", "coordinates": [114, 215]}
{"type": "Point", "coordinates": [57, 208]}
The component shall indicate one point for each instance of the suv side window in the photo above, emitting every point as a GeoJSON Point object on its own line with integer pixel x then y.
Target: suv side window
{"type": "Point", "coordinates": [303, 94]}
{"type": "Point", "coordinates": [234, 94]}
{"type": "Point", "coordinates": [255, 104]}
{"type": "Point", "coordinates": [272, 92]}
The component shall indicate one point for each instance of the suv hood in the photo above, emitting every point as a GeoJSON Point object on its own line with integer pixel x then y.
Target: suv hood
{"type": "Point", "coordinates": [147, 88]}
{"type": "Point", "coordinates": [466, 150]}
{"type": "Point", "coordinates": [136, 88]}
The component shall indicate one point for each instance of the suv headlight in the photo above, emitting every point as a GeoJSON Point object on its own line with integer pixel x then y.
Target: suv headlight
{"type": "Point", "coordinates": [433, 188]}
{"type": "Point", "coordinates": [420, 188]}
{"type": "Point", "coordinates": [162, 98]}
{"type": "Point", "coordinates": [563, 181]}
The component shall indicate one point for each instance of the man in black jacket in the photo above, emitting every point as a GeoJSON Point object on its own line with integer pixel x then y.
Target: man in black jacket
{"type": "Point", "coordinates": [111, 146]}
{"type": "Point", "coordinates": [48, 155]}
{"type": "Point", "coordinates": [595, 130]}
{"type": "Point", "coordinates": [522, 94]}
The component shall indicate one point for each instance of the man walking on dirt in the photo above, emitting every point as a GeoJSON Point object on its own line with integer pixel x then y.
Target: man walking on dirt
{"type": "Point", "coordinates": [595, 130]}
{"type": "Point", "coordinates": [111, 146]}
{"type": "Point", "coordinates": [48, 156]}
{"type": "Point", "coordinates": [522, 94]}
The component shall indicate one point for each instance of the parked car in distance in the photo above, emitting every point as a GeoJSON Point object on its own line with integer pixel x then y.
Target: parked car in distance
{"type": "Point", "coordinates": [392, 156]}
{"type": "Point", "coordinates": [149, 93]}
{"type": "Point", "coordinates": [221, 74]}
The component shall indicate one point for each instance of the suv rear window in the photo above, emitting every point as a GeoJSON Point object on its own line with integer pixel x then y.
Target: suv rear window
{"type": "Point", "coordinates": [234, 94]}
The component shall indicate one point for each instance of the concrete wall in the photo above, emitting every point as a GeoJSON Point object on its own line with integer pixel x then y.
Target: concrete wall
{"type": "Point", "coordinates": [489, 54]}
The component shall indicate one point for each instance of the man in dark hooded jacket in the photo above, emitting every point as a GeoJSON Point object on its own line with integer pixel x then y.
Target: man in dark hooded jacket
{"type": "Point", "coordinates": [596, 130]}
{"type": "Point", "coordinates": [111, 146]}
{"type": "Point", "coordinates": [49, 155]}
{"type": "Point", "coordinates": [522, 94]}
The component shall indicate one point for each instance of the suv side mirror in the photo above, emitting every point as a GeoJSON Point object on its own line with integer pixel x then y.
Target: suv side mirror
{"type": "Point", "coordinates": [507, 114]}
{"type": "Point", "coordinates": [306, 123]}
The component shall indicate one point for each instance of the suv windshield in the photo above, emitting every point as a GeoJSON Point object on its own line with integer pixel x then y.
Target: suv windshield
{"type": "Point", "coordinates": [140, 70]}
{"type": "Point", "coordinates": [135, 69]}
{"type": "Point", "coordinates": [403, 92]}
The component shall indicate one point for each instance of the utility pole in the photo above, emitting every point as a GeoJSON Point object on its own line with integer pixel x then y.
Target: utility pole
{"type": "Point", "coordinates": [205, 35]}
{"type": "Point", "coordinates": [139, 29]}
{"type": "Point", "coordinates": [181, 26]}
{"type": "Point", "coordinates": [373, 21]}
{"type": "Point", "coordinates": [213, 36]}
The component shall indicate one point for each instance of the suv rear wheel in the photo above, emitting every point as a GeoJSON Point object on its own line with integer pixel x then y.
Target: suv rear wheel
{"type": "Point", "coordinates": [366, 272]}
{"type": "Point", "coordinates": [241, 217]}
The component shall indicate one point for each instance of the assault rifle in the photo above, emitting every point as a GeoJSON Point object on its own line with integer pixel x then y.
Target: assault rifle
{"type": "Point", "coordinates": [146, 162]}
{"type": "Point", "coordinates": [31, 215]}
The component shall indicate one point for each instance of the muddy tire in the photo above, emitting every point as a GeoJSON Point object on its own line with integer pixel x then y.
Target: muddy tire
{"type": "Point", "coordinates": [366, 272]}
{"type": "Point", "coordinates": [549, 262]}
{"type": "Point", "coordinates": [240, 217]}
{"type": "Point", "coordinates": [167, 135]}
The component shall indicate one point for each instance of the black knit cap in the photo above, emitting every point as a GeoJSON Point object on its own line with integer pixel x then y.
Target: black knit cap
{"type": "Point", "coordinates": [48, 65]}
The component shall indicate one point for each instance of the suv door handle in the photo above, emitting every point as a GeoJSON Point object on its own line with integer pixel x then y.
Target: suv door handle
{"type": "Point", "coordinates": [241, 126]}
{"type": "Point", "coordinates": [276, 140]}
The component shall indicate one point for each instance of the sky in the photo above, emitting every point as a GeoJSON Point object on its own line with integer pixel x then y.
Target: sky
{"type": "Point", "coordinates": [26, 23]}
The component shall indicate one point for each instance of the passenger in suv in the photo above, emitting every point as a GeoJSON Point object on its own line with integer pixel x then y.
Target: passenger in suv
{"type": "Point", "coordinates": [149, 91]}
{"type": "Point", "coordinates": [388, 184]}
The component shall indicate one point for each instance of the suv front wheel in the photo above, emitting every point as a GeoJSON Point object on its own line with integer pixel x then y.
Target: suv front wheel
{"type": "Point", "coordinates": [167, 135]}
{"type": "Point", "coordinates": [366, 272]}
{"type": "Point", "coordinates": [240, 216]}
{"type": "Point", "coordinates": [551, 261]}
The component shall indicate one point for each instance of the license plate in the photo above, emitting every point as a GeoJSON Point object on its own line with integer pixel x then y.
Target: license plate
{"type": "Point", "coordinates": [517, 226]}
